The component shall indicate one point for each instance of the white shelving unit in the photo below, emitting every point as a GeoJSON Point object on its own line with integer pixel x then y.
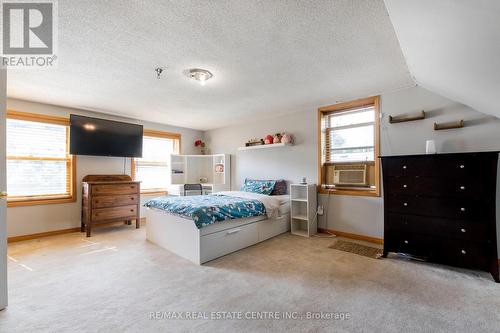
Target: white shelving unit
{"type": "Point", "coordinates": [213, 172]}
{"type": "Point", "coordinates": [303, 209]}
{"type": "Point", "coordinates": [273, 145]}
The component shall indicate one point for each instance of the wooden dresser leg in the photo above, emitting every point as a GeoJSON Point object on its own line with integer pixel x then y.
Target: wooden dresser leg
{"type": "Point", "coordinates": [137, 223]}
{"type": "Point", "coordinates": [82, 226]}
{"type": "Point", "coordinates": [89, 230]}
{"type": "Point", "coordinates": [129, 222]}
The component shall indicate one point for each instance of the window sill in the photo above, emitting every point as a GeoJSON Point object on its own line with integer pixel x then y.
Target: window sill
{"type": "Point", "coordinates": [35, 201]}
{"type": "Point", "coordinates": [351, 192]}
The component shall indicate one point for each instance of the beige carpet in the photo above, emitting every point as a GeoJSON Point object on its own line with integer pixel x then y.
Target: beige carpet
{"type": "Point", "coordinates": [113, 281]}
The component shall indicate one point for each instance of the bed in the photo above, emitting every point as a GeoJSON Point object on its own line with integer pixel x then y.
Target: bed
{"type": "Point", "coordinates": [203, 228]}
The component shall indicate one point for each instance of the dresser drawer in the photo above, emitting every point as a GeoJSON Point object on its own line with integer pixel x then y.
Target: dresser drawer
{"type": "Point", "coordinates": [408, 166]}
{"type": "Point", "coordinates": [407, 242]}
{"type": "Point", "coordinates": [455, 208]}
{"type": "Point", "coordinates": [114, 200]}
{"type": "Point", "coordinates": [462, 253]}
{"type": "Point", "coordinates": [115, 189]}
{"type": "Point", "coordinates": [103, 214]}
{"type": "Point", "coordinates": [437, 227]}
{"type": "Point", "coordinates": [431, 186]}
{"type": "Point", "coordinates": [461, 167]}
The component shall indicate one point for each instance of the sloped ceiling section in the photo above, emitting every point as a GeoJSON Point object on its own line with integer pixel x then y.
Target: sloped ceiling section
{"type": "Point", "coordinates": [452, 47]}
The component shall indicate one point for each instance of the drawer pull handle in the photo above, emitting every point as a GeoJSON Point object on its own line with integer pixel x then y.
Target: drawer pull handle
{"type": "Point", "coordinates": [230, 232]}
{"type": "Point", "coordinates": [462, 230]}
{"type": "Point", "coordinates": [131, 210]}
{"type": "Point", "coordinates": [462, 166]}
{"type": "Point", "coordinates": [405, 204]}
{"type": "Point", "coordinates": [464, 252]}
{"type": "Point", "coordinates": [405, 186]}
{"type": "Point", "coordinates": [462, 187]}
{"type": "Point", "coordinates": [462, 209]}
{"type": "Point", "coordinates": [404, 166]}
{"type": "Point", "coordinates": [406, 242]}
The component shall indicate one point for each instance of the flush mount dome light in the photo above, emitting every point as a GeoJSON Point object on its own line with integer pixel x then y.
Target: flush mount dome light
{"type": "Point", "coordinates": [200, 75]}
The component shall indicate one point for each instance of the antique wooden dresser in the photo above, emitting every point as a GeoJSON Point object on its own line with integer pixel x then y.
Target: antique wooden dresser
{"type": "Point", "coordinates": [109, 198]}
{"type": "Point", "coordinates": [442, 208]}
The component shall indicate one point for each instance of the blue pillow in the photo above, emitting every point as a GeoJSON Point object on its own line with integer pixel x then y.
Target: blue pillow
{"type": "Point", "coordinates": [259, 186]}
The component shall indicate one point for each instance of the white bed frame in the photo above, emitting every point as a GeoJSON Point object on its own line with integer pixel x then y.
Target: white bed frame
{"type": "Point", "coordinates": [183, 238]}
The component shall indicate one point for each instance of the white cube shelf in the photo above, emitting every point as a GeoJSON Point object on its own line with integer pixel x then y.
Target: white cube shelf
{"type": "Point", "coordinates": [303, 209]}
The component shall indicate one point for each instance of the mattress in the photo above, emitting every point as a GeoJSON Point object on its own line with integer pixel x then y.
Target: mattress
{"type": "Point", "coordinates": [283, 199]}
{"type": "Point", "coordinates": [204, 210]}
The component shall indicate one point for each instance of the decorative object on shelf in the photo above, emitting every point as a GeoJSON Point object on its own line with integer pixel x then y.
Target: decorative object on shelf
{"type": "Point", "coordinates": [277, 138]}
{"type": "Point", "coordinates": [286, 138]}
{"type": "Point", "coordinates": [219, 168]}
{"type": "Point", "coordinates": [449, 125]}
{"type": "Point", "coordinates": [201, 144]}
{"type": "Point", "coordinates": [304, 181]}
{"type": "Point", "coordinates": [407, 117]}
{"type": "Point", "coordinates": [254, 142]}
{"type": "Point", "coordinates": [268, 139]}
{"type": "Point", "coordinates": [430, 147]}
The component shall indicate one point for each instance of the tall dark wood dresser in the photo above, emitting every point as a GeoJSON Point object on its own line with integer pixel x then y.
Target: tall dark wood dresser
{"type": "Point", "coordinates": [442, 208]}
{"type": "Point", "coordinates": [109, 198]}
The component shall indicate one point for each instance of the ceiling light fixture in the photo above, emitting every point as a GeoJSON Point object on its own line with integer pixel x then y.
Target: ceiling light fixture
{"type": "Point", "coordinates": [201, 75]}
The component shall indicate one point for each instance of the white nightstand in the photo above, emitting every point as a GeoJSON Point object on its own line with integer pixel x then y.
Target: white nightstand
{"type": "Point", "coordinates": [303, 209]}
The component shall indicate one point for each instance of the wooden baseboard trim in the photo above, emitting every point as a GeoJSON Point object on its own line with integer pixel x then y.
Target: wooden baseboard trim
{"type": "Point", "coordinates": [53, 233]}
{"type": "Point", "coordinates": [42, 234]}
{"type": "Point", "coordinates": [353, 236]}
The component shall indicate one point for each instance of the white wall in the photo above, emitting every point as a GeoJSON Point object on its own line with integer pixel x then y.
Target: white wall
{"type": "Point", "coordinates": [35, 219]}
{"type": "Point", "coordinates": [360, 215]}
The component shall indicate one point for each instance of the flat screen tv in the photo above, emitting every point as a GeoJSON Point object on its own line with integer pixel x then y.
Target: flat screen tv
{"type": "Point", "coordinates": [101, 137]}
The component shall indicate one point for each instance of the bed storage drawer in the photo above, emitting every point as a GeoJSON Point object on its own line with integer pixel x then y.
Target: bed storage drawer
{"type": "Point", "coordinates": [223, 242]}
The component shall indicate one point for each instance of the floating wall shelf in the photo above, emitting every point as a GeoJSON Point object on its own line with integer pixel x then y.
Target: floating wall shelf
{"type": "Point", "coordinates": [407, 117]}
{"type": "Point", "coordinates": [274, 145]}
{"type": "Point", "coordinates": [449, 125]}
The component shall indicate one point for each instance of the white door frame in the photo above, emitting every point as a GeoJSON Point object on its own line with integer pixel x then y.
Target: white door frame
{"type": "Point", "coordinates": [3, 189]}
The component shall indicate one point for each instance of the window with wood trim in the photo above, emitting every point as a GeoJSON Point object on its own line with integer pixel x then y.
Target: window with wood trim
{"type": "Point", "coordinates": [40, 169]}
{"type": "Point", "coordinates": [349, 148]}
{"type": "Point", "coordinates": [153, 169]}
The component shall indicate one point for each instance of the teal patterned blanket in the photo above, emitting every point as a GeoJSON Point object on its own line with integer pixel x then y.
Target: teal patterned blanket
{"type": "Point", "coordinates": [208, 209]}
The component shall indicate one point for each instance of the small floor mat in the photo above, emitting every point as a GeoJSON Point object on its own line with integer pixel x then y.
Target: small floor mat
{"type": "Point", "coordinates": [362, 250]}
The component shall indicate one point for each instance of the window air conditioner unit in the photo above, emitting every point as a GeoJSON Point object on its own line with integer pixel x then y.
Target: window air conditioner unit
{"type": "Point", "coordinates": [349, 174]}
